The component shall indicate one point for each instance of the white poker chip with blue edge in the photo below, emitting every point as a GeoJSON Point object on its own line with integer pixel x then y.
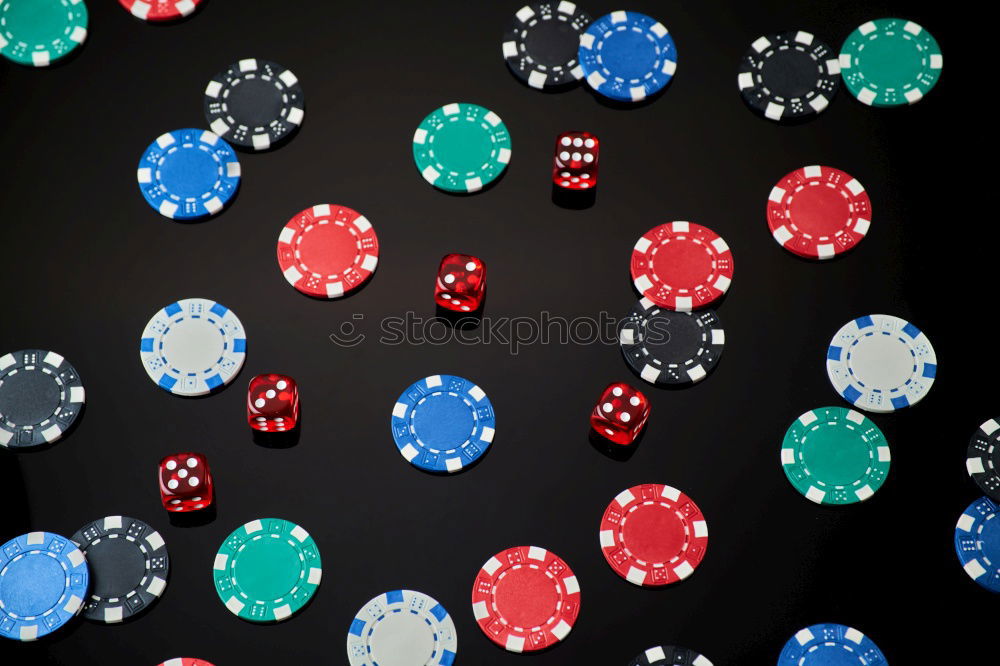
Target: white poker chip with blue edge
{"type": "Point", "coordinates": [627, 56]}
{"type": "Point", "coordinates": [881, 363]}
{"type": "Point", "coordinates": [402, 628]}
{"type": "Point", "coordinates": [443, 423]}
{"type": "Point", "coordinates": [193, 347]}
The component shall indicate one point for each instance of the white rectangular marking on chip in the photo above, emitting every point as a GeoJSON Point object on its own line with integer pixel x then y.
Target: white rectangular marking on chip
{"type": "Point", "coordinates": [113, 523]}
{"type": "Point", "coordinates": [213, 89]}
{"type": "Point", "coordinates": [819, 103]}
{"type": "Point", "coordinates": [866, 27]}
{"type": "Point", "coordinates": [254, 526]}
{"type": "Point", "coordinates": [6, 361]}
{"type": "Point", "coordinates": [595, 80]}
{"type": "Point", "coordinates": [883, 454]}
{"type": "Point", "coordinates": [514, 643]}
{"type": "Point", "coordinates": [369, 263]}
{"type": "Point", "coordinates": [561, 630]}
{"type": "Point", "coordinates": [658, 29]}
{"type": "Point", "coordinates": [720, 245]}
{"type": "Point", "coordinates": [261, 141]}
{"type": "Point", "coordinates": [700, 528]}
{"type": "Point", "coordinates": [479, 610]}
{"type": "Point", "coordinates": [607, 538]}
{"type": "Point", "coordinates": [619, 16]}
{"type": "Point", "coordinates": [292, 274]}
{"type": "Point", "coordinates": [296, 115]}
{"type": "Point", "coordinates": [825, 250]}
{"type": "Point", "coordinates": [213, 205]}
{"type": "Point", "coordinates": [974, 465]}
{"type": "Point", "coordinates": [491, 566]}
{"type": "Point", "coordinates": [29, 633]}
{"type": "Point", "coordinates": [683, 570]}
{"type": "Point", "coordinates": [430, 174]}
{"type": "Point", "coordinates": [165, 140]}
{"type": "Point", "coordinates": [221, 561]}
{"type": "Point", "coordinates": [974, 569]}
{"type": "Point", "coordinates": [654, 654]}
{"type": "Point", "coordinates": [650, 374]}
{"type": "Point", "coordinates": [990, 427]}
{"type": "Point", "coordinates": [782, 234]}
{"type": "Point", "coordinates": [718, 336]}
{"type": "Point", "coordinates": [315, 575]}
{"type": "Point", "coordinates": [410, 452]}
{"type": "Point", "coordinates": [760, 44]}
{"type": "Point", "coordinates": [40, 59]}
{"type": "Point", "coordinates": [433, 381]}
{"type": "Point", "coordinates": [913, 28]}
{"type": "Point", "coordinates": [537, 553]}
{"type": "Point", "coordinates": [299, 533]}
{"type": "Point", "coordinates": [54, 359]}
{"type": "Point", "coordinates": [335, 289]}
{"type": "Point", "coordinates": [52, 433]}
{"type": "Point", "coordinates": [624, 497]}
{"type": "Point", "coordinates": [155, 541]}
{"type": "Point", "coordinates": [696, 373]}
{"type": "Point", "coordinates": [913, 96]}
{"type": "Point", "coordinates": [453, 464]}
{"type": "Point", "coordinates": [487, 435]}
{"type": "Point", "coordinates": [248, 65]}
{"type": "Point", "coordinates": [745, 80]}
{"type": "Point", "coordinates": [114, 614]}
{"type": "Point", "coordinates": [803, 37]}
{"type": "Point", "coordinates": [566, 7]}
{"type": "Point", "coordinates": [937, 61]}
{"type": "Point", "coordinates": [777, 194]}
{"type": "Point", "coordinates": [815, 494]}
{"type": "Point", "coordinates": [637, 93]}
{"type": "Point", "coordinates": [477, 393]}
{"type": "Point", "coordinates": [420, 136]}
{"type": "Point", "coordinates": [451, 109]}
{"type": "Point", "coordinates": [73, 605]}
{"type": "Point", "coordinates": [854, 635]}
{"type": "Point", "coordinates": [282, 612]}
{"type": "Point", "coordinates": [493, 119]}
{"type": "Point", "coordinates": [833, 66]}
{"type": "Point", "coordinates": [509, 50]}
{"type": "Point", "coordinates": [156, 586]}
{"type": "Point", "coordinates": [219, 127]}
{"type": "Point", "coordinates": [774, 111]}
{"type": "Point", "coordinates": [670, 493]}
{"type": "Point", "coordinates": [866, 96]}
{"type": "Point", "coordinates": [642, 245]}
{"type": "Point", "coordinates": [35, 538]}
{"type": "Point", "coordinates": [525, 13]}
{"type": "Point", "coordinates": [787, 456]}
{"type": "Point", "coordinates": [845, 61]}
{"type": "Point", "coordinates": [234, 605]}
{"type": "Point", "coordinates": [587, 41]}
{"type": "Point", "coordinates": [722, 284]}
{"type": "Point", "coordinates": [398, 410]}
{"type": "Point", "coordinates": [862, 226]}
{"type": "Point", "coordinates": [503, 157]}
{"type": "Point", "coordinates": [627, 336]}
{"type": "Point", "coordinates": [361, 222]}
{"type": "Point", "coordinates": [864, 492]}
{"type": "Point", "coordinates": [474, 184]}
{"type": "Point", "coordinates": [288, 78]}
{"type": "Point", "coordinates": [636, 576]}
{"type": "Point", "coordinates": [537, 79]}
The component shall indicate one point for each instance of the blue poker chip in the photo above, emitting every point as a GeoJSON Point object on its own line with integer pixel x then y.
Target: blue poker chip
{"type": "Point", "coordinates": [627, 56]}
{"type": "Point", "coordinates": [977, 542]}
{"type": "Point", "coordinates": [43, 583]}
{"type": "Point", "coordinates": [443, 423]}
{"type": "Point", "coordinates": [830, 644]}
{"type": "Point", "coordinates": [188, 174]}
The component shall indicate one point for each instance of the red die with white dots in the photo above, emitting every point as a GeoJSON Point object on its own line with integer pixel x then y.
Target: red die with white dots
{"type": "Point", "coordinates": [575, 163]}
{"type": "Point", "coordinates": [185, 482]}
{"type": "Point", "coordinates": [461, 283]}
{"type": "Point", "coordinates": [273, 403]}
{"type": "Point", "coordinates": [620, 414]}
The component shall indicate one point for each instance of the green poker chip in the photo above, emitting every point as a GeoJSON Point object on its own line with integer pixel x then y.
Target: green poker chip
{"type": "Point", "coordinates": [890, 62]}
{"type": "Point", "coordinates": [835, 455]}
{"type": "Point", "coordinates": [39, 32]}
{"type": "Point", "coordinates": [461, 147]}
{"type": "Point", "coordinates": [267, 570]}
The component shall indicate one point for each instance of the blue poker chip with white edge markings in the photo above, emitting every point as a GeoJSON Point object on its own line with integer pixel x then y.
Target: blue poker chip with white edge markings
{"type": "Point", "coordinates": [188, 174]}
{"type": "Point", "coordinates": [193, 347]}
{"type": "Point", "coordinates": [402, 627]}
{"type": "Point", "coordinates": [443, 423]}
{"type": "Point", "coordinates": [44, 580]}
{"type": "Point", "coordinates": [977, 543]}
{"type": "Point", "coordinates": [627, 56]}
{"type": "Point", "coordinates": [830, 644]}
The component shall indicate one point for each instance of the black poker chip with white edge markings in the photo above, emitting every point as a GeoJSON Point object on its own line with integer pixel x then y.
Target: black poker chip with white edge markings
{"type": "Point", "coordinates": [129, 567]}
{"type": "Point", "coordinates": [983, 458]}
{"type": "Point", "coordinates": [541, 45]}
{"type": "Point", "coordinates": [670, 655]}
{"type": "Point", "coordinates": [665, 347]}
{"type": "Point", "coordinates": [41, 396]}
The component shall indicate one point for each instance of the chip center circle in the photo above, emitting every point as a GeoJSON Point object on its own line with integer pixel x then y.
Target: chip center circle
{"type": "Point", "coordinates": [463, 146]}
{"type": "Point", "coordinates": [836, 456]}
{"type": "Point", "coordinates": [548, 42]}
{"type": "Point", "coordinates": [267, 569]}
{"type": "Point", "coordinates": [193, 345]}
{"type": "Point", "coordinates": [526, 597]}
{"type": "Point", "coordinates": [33, 394]}
{"type": "Point", "coordinates": [989, 541]}
{"type": "Point", "coordinates": [401, 638]}
{"type": "Point", "coordinates": [255, 102]}
{"type": "Point", "coordinates": [443, 421]}
{"type": "Point", "coordinates": [654, 533]}
{"type": "Point", "coordinates": [794, 71]}
{"type": "Point", "coordinates": [629, 54]}
{"type": "Point", "coordinates": [36, 23]}
{"type": "Point", "coordinates": [328, 249]}
{"type": "Point", "coordinates": [185, 171]}
{"type": "Point", "coordinates": [819, 211]}
{"type": "Point", "coordinates": [32, 585]}
{"type": "Point", "coordinates": [891, 61]}
{"type": "Point", "coordinates": [125, 566]}
{"type": "Point", "coordinates": [680, 266]}
{"type": "Point", "coordinates": [880, 361]}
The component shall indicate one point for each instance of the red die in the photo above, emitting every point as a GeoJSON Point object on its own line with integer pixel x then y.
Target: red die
{"type": "Point", "coordinates": [273, 403]}
{"type": "Point", "coordinates": [461, 283]}
{"type": "Point", "coordinates": [185, 482]}
{"type": "Point", "coordinates": [620, 414]}
{"type": "Point", "coordinates": [575, 164]}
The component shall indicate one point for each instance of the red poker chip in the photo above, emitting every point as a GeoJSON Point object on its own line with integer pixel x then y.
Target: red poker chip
{"type": "Point", "coordinates": [681, 266]}
{"type": "Point", "coordinates": [653, 535]}
{"type": "Point", "coordinates": [525, 599]}
{"type": "Point", "coordinates": [160, 10]}
{"type": "Point", "coordinates": [327, 251]}
{"type": "Point", "coordinates": [818, 212]}
{"type": "Point", "coordinates": [185, 661]}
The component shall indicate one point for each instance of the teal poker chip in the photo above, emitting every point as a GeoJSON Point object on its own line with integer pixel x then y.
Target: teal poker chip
{"type": "Point", "coordinates": [40, 32]}
{"type": "Point", "coordinates": [461, 147]}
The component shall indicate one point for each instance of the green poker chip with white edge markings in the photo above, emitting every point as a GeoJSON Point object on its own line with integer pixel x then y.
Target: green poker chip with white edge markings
{"type": "Point", "coordinates": [890, 62]}
{"type": "Point", "coordinates": [39, 32]}
{"type": "Point", "coordinates": [835, 455]}
{"type": "Point", "coordinates": [461, 147]}
{"type": "Point", "coordinates": [267, 570]}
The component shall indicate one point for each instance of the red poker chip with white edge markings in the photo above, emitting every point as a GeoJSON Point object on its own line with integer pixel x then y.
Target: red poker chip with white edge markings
{"type": "Point", "coordinates": [818, 212]}
{"type": "Point", "coordinates": [681, 266]}
{"type": "Point", "coordinates": [185, 661]}
{"type": "Point", "coordinates": [328, 251]}
{"type": "Point", "coordinates": [160, 10]}
{"type": "Point", "coordinates": [525, 599]}
{"type": "Point", "coordinates": [653, 535]}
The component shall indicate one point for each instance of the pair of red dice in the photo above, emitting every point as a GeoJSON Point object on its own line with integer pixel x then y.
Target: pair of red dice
{"type": "Point", "coordinates": [620, 414]}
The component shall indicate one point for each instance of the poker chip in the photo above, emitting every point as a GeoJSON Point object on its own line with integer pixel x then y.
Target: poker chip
{"type": "Point", "coordinates": [254, 104]}
{"type": "Point", "coordinates": [542, 42]}
{"type": "Point", "coordinates": [983, 458]}
{"type": "Point", "coordinates": [193, 347]}
{"type": "Point", "coordinates": [129, 567]}
{"type": "Point", "coordinates": [890, 62]}
{"type": "Point", "coordinates": [818, 212]}
{"type": "Point", "coordinates": [977, 543]}
{"type": "Point", "coordinates": [160, 10]}
{"type": "Point", "coordinates": [41, 396]}
{"type": "Point", "coordinates": [401, 628]}
{"type": "Point", "coordinates": [627, 56]}
{"type": "Point", "coordinates": [670, 655]}
{"type": "Point", "coordinates": [834, 455]}
{"type": "Point", "coordinates": [443, 423]}
{"type": "Point", "coordinates": [185, 661]}
{"type": "Point", "coordinates": [43, 581]}
{"type": "Point", "coordinates": [788, 75]}
{"type": "Point", "coordinates": [681, 266]}
{"type": "Point", "coordinates": [881, 363]}
{"type": "Point", "coordinates": [526, 599]}
{"type": "Point", "coordinates": [267, 570]}
{"type": "Point", "coordinates": [188, 174]}
{"type": "Point", "coordinates": [666, 348]}
{"type": "Point", "coordinates": [461, 147]}
{"type": "Point", "coordinates": [653, 535]}
{"type": "Point", "coordinates": [40, 32]}
{"type": "Point", "coordinates": [830, 645]}
{"type": "Point", "coordinates": [327, 251]}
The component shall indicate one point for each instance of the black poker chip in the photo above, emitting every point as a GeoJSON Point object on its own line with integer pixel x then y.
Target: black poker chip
{"type": "Point", "coordinates": [129, 567]}
{"type": "Point", "coordinates": [542, 43]}
{"type": "Point", "coordinates": [254, 104]}
{"type": "Point", "coordinates": [665, 347]}
{"type": "Point", "coordinates": [670, 655]}
{"type": "Point", "coordinates": [789, 75]}
{"type": "Point", "coordinates": [41, 395]}
{"type": "Point", "coordinates": [983, 458]}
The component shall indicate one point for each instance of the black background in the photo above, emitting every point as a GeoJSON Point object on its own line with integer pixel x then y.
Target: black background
{"type": "Point", "coordinates": [85, 263]}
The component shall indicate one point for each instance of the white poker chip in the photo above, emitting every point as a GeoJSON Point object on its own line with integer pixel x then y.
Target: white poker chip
{"type": "Point", "coordinates": [402, 628]}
